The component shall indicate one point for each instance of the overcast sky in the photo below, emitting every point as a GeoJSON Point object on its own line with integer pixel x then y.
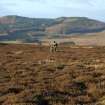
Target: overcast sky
{"type": "Point", "coordinates": [54, 8]}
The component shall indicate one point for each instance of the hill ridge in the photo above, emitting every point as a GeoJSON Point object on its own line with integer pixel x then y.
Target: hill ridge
{"type": "Point", "coordinates": [14, 27]}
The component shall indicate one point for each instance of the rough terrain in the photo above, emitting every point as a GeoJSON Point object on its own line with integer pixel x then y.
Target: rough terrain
{"type": "Point", "coordinates": [31, 75]}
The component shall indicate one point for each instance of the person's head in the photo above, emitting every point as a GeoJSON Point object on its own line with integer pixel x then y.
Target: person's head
{"type": "Point", "coordinates": [54, 42]}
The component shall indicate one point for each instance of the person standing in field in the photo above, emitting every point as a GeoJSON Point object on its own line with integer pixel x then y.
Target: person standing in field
{"type": "Point", "coordinates": [53, 47]}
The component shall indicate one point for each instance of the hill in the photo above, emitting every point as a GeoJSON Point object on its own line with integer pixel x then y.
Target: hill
{"type": "Point", "coordinates": [76, 25]}
{"type": "Point", "coordinates": [17, 28]}
{"type": "Point", "coordinates": [92, 39]}
{"type": "Point", "coordinates": [12, 23]}
{"type": "Point", "coordinates": [30, 75]}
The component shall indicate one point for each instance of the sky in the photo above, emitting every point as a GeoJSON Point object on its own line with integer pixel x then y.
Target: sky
{"type": "Point", "coordinates": [94, 9]}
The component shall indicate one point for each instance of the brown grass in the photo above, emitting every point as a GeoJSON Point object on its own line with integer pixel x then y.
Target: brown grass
{"type": "Point", "coordinates": [31, 75]}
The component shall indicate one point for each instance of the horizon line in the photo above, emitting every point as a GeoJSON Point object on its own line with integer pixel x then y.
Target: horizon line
{"type": "Point", "coordinates": [53, 17]}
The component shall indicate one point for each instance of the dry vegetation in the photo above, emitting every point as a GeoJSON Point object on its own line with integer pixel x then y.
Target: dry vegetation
{"type": "Point", "coordinates": [97, 38]}
{"type": "Point", "coordinates": [30, 75]}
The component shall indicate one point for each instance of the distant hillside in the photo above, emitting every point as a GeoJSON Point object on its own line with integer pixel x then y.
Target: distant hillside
{"type": "Point", "coordinates": [33, 29]}
{"type": "Point", "coordinates": [90, 39]}
{"type": "Point", "coordinates": [8, 23]}
{"type": "Point", "coordinates": [76, 25]}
